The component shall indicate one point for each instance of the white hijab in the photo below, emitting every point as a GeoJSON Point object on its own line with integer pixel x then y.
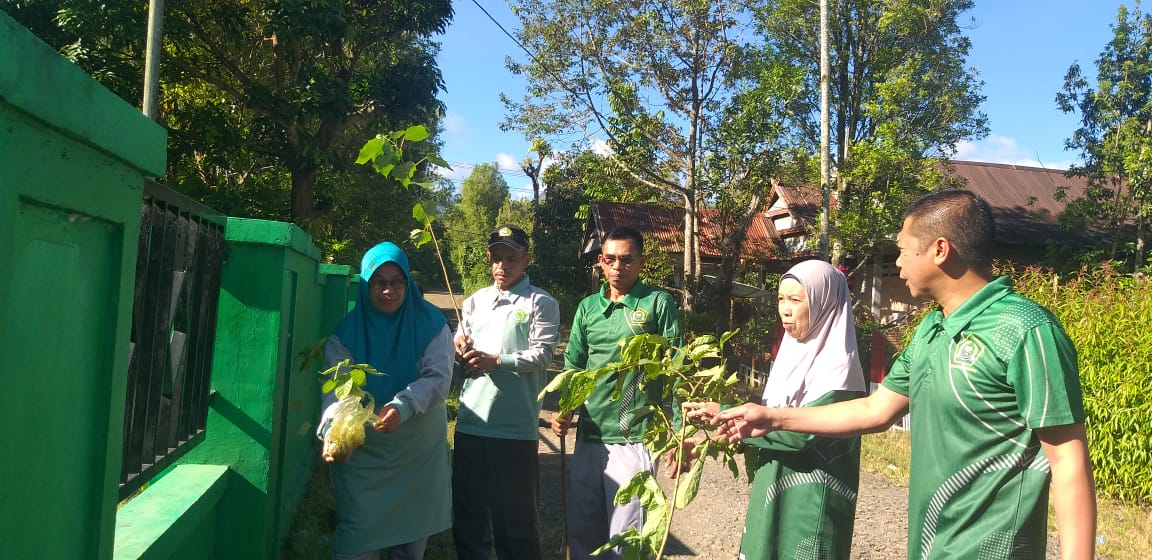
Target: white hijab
{"type": "Point", "coordinates": [827, 359]}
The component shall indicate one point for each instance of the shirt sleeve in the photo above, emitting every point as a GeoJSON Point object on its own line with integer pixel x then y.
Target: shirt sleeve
{"type": "Point", "coordinates": [897, 378]}
{"type": "Point", "coordinates": [433, 380]}
{"type": "Point", "coordinates": [1046, 379]}
{"type": "Point", "coordinates": [543, 334]}
{"type": "Point", "coordinates": [576, 354]}
{"type": "Point", "coordinates": [669, 317]}
{"type": "Point", "coordinates": [465, 325]}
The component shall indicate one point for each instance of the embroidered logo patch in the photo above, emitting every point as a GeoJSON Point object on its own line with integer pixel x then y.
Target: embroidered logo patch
{"type": "Point", "coordinates": [638, 317]}
{"type": "Point", "coordinates": [520, 316]}
{"type": "Point", "coordinates": [967, 352]}
{"type": "Point", "coordinates": [504, 232]}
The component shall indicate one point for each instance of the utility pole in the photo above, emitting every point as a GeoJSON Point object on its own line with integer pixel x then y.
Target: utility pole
{"type": "Point", "coordinates": [152, 58]}
{"type": "Point", "coordinates": [825, 157]}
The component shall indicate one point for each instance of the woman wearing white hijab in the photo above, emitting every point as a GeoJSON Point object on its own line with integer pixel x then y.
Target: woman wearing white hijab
{"type": "Point", "coordinates": [803, 499]}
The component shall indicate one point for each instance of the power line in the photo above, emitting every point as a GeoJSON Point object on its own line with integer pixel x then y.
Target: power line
{"type": "Point", "coordinates": [501, 170]}
{"type": "Point", "coordinates": [563, 84]}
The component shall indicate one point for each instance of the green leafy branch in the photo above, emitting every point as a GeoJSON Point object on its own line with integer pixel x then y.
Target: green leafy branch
{"type": "Point", "coordinates": [355, 407]}
{"type": "Point", "coordinates": [696, 371]}
{"type": "Point", "coordinates": [385, 153]}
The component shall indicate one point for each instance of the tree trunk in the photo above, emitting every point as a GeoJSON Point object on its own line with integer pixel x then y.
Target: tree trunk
{"type": "Point", "coordinates": [303, 186]}
{"type": "Point", "coordinates": [1140, 222]}
{"type": "Point", "coordinates": [689, 280]}
{"type": "Point", "coordinates": [730, 258]}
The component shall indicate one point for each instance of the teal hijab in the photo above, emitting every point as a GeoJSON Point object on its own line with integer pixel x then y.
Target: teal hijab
{"type": "Point", "coordinates": [392, 342]}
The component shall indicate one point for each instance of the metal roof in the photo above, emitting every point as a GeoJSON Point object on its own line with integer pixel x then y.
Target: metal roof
{"type": "Point", "coordinates": [1023, 199]}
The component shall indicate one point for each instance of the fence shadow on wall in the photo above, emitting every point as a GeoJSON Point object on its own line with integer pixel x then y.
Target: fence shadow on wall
{"type": "Point", "coordinates": [178, 269]}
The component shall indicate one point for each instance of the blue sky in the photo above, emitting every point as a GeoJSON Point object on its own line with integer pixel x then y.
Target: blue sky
{"type": "Point", "coordinates": [1021, 48]}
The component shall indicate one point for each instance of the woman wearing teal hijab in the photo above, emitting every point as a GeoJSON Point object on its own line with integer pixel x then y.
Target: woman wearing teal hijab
{"type": "Point", "coordinates": [393, 491]}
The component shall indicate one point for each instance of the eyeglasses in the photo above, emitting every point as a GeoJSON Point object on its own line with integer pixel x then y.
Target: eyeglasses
{"type": "Point", "coordinates": [395, 285]}
{"type": "Point", "coordinates": [625, 260]}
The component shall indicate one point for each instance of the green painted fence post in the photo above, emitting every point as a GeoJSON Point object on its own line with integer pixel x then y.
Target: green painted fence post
{"type": "Point", "coordinates": [265, 407]}
{"type": "Point", "coordinates": [73, 158]}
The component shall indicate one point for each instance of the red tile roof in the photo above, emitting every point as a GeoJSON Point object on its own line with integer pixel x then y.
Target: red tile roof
{"type": "Point", "coordinates": [663, 229]}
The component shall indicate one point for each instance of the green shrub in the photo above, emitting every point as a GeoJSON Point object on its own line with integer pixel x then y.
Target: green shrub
{"type": "Point", "coordinates": [1109, 317]}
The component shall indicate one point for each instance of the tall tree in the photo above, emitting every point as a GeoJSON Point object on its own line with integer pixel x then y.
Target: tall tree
{"type": "Point", "coordinates": [560, 217]}
{"type": "Point", "coordinates": [259, 93]}
{"type": "Point", "coordinates": [750, 152]}
{"type": "Point", "coordinates": [1115, 134]}
{"type": "Point", "coordinates": [646, 76]}
{"type": "Point", "coordinates": [901, 99]}
{"type": "Point", "coordinates": [482, 195]}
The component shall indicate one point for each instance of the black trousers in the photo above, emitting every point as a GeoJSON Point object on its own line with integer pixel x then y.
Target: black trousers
{"type": "Point", "coordinates": [494, 491]}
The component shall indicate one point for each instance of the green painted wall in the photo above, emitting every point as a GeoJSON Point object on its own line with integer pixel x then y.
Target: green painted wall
{"type": "Point", "coordinates": [276, 302]}
{"type": "Point", "coordinates": [175, 519]}
{"type": "Point", "coordinates": [72, 161]}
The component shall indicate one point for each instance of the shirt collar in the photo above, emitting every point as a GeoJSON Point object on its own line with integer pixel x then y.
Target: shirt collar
{"type": "Point", "coordinates": [992, 292]}
{"type": "Point", "coordinates": [520, 288]}
{"type": "Point", "coordinates": [631, 300]}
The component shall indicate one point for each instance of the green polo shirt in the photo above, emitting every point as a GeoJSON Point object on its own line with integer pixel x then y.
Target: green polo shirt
{"type": "Point", "coordinates": [597, 329]}
{"type": "Point", "coordinates": [979, 383]}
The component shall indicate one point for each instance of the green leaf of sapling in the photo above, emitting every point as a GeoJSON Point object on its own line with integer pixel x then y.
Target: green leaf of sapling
{"type": "Point", "coordinates": [416, 133]}
{"type": "Point", "coordinates": [370, 150]}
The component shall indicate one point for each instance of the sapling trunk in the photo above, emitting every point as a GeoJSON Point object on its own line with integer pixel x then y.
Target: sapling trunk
{"type": "Point", "coordinates": [676, 486]}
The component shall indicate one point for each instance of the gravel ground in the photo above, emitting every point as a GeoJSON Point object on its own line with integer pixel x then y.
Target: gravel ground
{"type": "Point", "coordinates": [710, 526]}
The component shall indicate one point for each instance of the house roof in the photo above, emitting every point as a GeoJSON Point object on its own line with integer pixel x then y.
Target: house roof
{"type": "Point", "coordinates": [803, 202]}
{"type": "Point", "coordinates": [663, 229]}
{"type": "Point", "coordinates": [1023, 199]}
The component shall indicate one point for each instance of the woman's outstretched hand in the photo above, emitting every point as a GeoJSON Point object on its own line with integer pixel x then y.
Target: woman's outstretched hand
{"type": "Point", "coordinates": [700, 412]}
{"type": "Point", "coordinates": [745, 421]}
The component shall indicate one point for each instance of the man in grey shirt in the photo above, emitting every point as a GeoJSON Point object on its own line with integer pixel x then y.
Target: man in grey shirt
{"type": "Point", "coordinates": [505, 341]}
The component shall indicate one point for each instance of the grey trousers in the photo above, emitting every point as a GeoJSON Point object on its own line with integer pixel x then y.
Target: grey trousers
{"type": "Point", "coordinates": [598, 471]}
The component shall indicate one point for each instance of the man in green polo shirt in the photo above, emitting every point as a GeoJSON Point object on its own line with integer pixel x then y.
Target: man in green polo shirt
{"type": "Point", "coordinates": [993, 389]}
{"type": "Point", "coordinates": [505, 341]}
{"type": "Point", "coordinates": [609, 436]}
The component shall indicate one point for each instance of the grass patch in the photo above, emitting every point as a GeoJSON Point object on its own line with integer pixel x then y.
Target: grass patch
{"type": "Point", "coordinates": [1124, 531]}
{"type": "Point", "coordinates": [887, 454]}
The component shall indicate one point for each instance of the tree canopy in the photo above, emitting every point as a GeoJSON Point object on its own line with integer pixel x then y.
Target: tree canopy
{"type": "Point", "coordinates": [648, 78]}
{"type": "Point", "coordinates": [901, 99]}
{"type": "Point", "coordinates": [267, 103]}
{"type": "Point", "coordinates": [1115, 133]}
{"type": "Point", "coordinates": [483, 194]}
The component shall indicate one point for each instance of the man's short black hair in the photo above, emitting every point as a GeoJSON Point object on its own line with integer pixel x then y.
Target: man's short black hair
{"type": "Point", "coordinates": [961, 217]}
{"type": "Point", "coordinates": [625, 233]}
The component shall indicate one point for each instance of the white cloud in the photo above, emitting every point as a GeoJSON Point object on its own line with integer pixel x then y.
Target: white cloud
{"type": "Point", "coordinates": [454, 123]}
{"type": "Point", "coordinates": [600, 147]}
{"type": "Point", "coordinates": [507, 162]}
{"type": "Point", "coordinates": [459, 173]}
{"type": "Point", "coordinates": [455, 132]}
{"type": "Point", "coordinates": [1004, 149]}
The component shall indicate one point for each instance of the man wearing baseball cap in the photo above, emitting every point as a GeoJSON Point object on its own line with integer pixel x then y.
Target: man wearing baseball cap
{"type": "Point", "coordinates": [505, 340]}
